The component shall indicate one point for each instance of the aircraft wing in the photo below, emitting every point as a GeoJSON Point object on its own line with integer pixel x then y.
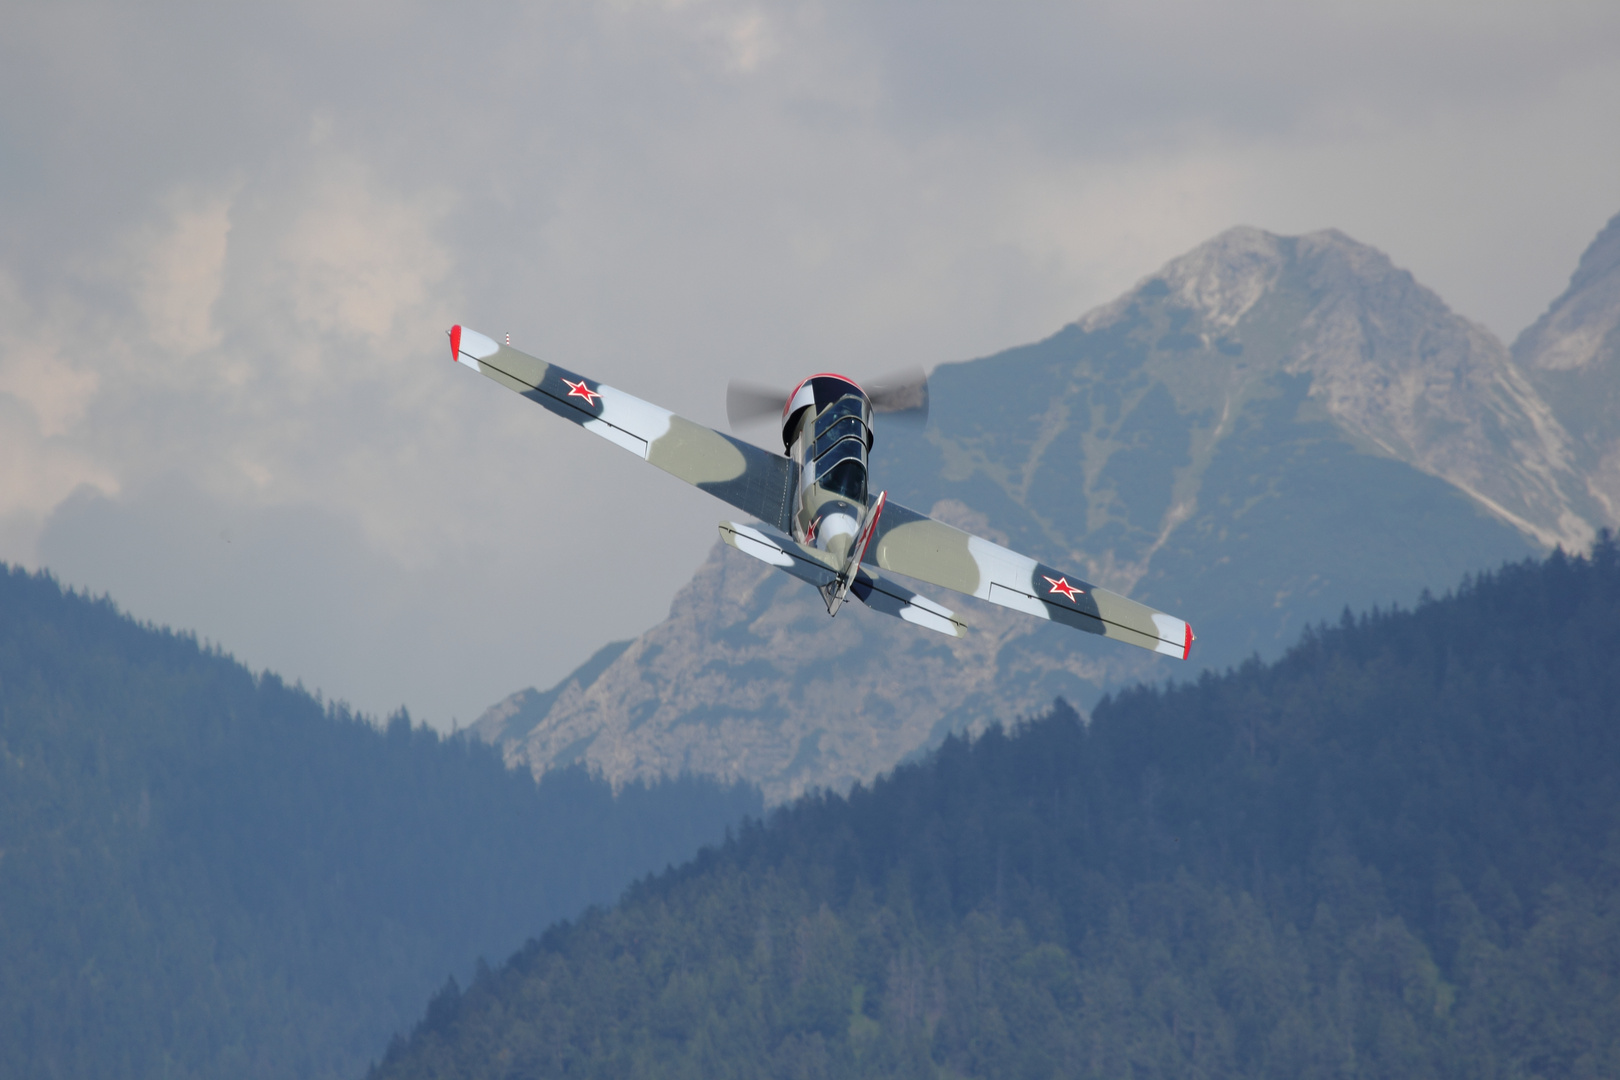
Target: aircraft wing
{"type": "Point", "coordinates": [753, 480]}
{"type": "Point", "coordinates": [919, 547]}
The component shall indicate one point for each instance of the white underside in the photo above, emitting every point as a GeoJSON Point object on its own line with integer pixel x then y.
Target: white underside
{"type": "Point", "coordinates": [753, 542]}
{"type": "Point", "coordinates": [923, 612]}
{"type": "Point", "coordinates": [1172, 635]}
{"type": "Point", "coordinates": [1004, 577]}
{"type": "Point", "coordinates": [475, 347]}
{"type": "Point", "coordinates": [628, 421]}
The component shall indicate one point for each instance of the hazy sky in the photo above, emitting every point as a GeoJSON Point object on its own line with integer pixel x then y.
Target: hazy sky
{"type": "Point", "coordinates": [232, 237]}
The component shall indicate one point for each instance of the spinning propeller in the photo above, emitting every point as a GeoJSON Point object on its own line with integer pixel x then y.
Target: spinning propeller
{"type": "Point", "coordinates": [902, 395]}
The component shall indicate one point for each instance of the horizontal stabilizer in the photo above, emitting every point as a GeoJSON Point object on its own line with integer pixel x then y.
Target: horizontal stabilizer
{"type": "Point", "coordinates": [882, 595]}
{"type": "Point", "coordinates": [771, 547]}
{"type": "Point", "coordinates": [810, 565]}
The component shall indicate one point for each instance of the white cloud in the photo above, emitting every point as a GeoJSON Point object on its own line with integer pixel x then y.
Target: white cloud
{"type": "Point", "coordinates": [357, 259]}
{"type": "Point", "coordinates": [34, 370]}
{"type": "Point", "coordinates": [180, 276]}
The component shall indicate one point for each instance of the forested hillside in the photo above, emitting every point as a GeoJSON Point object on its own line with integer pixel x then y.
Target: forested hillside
{"type": "Point", "coordinates": [208, 873]}
{"type": "Point", "coordinates": [1394, 852]}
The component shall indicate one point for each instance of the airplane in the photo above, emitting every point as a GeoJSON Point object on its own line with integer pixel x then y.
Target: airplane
{"type": "Point", "coordinates": [815, 517]}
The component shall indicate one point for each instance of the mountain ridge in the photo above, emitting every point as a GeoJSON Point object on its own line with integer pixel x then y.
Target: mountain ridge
{"type": "Point", "coordinates": [207, 872]}
{"type": "Point", "coordinates": [1263, 431]}
{"type": "Point", "coordinates": [1423, 394]}
{"type": "Point", "coordinates": [1571, 354]}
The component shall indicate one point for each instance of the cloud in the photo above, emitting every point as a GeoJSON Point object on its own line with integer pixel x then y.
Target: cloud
{"type": "Point", "coordinates": [180, 277]}
{"type": "Point", "coordinates": [35, 373]}
{"type": "Point", "coordinates": [234, 236]}
{"type": "Point", "coordinates": [356, 258]}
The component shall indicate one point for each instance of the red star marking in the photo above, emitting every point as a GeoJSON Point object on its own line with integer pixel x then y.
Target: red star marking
{"type": "Point", "coordinates": [1061, 585]}
{"type": "Point", "coordinates": [579, 389]}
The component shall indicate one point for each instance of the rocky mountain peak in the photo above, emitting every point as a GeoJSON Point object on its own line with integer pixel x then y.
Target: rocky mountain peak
{"type": "Point", "coordinates": [1386, 359]}
{"type": "Point", "coordinates": [1571, 355]}
{"type": "Point", "coordinates": [1221, 280]}
{"type": "Point", "coordinates": [1582, 326]}
{"type": "Point", "coordinates": [1224, 278]}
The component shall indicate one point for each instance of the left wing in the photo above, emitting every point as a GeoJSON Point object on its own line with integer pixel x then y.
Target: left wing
{"type": "Point", "coordinates": [913, 544]}
{"type": "Point", "coordinates": [753, 480]}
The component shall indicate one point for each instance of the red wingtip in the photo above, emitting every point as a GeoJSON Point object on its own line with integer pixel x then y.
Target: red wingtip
{"type": "Point", "coordinates": [1186, 646]}
{"type": "Point", "coordinates": [455, 342]}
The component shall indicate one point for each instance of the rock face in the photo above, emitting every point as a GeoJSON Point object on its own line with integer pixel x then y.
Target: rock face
{"type": "Point", "coordinates": [1386, 359]}
{"type": "Point", "coordinates": [1572, 356]}
{"type": "Point", "coordinates": [1265, 431]}
{"type": "Point", "coordinates": [749, 679]}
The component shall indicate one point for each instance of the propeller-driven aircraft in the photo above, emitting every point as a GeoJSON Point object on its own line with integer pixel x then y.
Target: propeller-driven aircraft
{"type": "Point", "coordinates": [816, 518]}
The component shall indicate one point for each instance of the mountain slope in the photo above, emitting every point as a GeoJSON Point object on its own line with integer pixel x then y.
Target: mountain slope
{"type": "Point", "coordinates": [1387, 363]}
{"type": "Point", "coordinates": [1572, 356]}
{"type": "Point", "coordinates": [1395, 852]}
{"type": "Point", "coordinates": [204, 872]}
{"type": "Point", "coordinates": [748, 679]}
{"type": "Point", "coordinates": [1294, 415]}
{"type": "Point", "coordinates": [1267, 430]}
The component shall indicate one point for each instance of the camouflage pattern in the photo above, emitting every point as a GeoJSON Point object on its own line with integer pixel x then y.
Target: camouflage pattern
{"type": "Point", "coordinates": [753, 480]}
{"type": "Point", "coordinates": [767, 486]}
{"type": "Point", "coordinates": [915, 545]}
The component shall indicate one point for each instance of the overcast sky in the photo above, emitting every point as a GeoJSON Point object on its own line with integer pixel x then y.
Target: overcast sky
{"type": "Point", "coordinates": [233, 236]}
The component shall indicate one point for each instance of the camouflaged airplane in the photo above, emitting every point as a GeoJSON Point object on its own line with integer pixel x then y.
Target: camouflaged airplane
{"type": "Point", "coordinates": [817, 519]}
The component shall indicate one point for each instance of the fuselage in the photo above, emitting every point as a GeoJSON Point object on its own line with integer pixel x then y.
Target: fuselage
{"type": "Point", "coordinates": [827, 430]}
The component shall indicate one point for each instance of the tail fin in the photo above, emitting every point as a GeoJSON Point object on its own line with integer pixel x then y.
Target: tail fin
{"type": "Point", "coordinates": [839, 589]}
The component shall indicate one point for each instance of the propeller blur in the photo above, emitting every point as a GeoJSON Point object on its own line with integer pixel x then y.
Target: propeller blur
{"type": "Point", "coordinates": [902, 395]}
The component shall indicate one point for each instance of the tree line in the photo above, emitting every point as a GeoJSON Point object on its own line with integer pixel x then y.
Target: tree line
{"type": "Point", "coordinates": [207, 872]}
{"type": "Point", "coordinates": [1395, 851]}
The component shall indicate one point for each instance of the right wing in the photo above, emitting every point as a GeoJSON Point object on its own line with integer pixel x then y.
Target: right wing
{"type": "Point", "coordinates": [917, 546]}
{"type": "Point", "coordinates": [753, 480]}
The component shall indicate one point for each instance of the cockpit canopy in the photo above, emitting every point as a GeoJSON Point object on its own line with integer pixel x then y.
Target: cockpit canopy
{"type": "Point", "coordinates": [815, 395]}
{"type": "Point", "coordinates": [842, 436]}
{"type": "Point", "coordinates": [827, 428]}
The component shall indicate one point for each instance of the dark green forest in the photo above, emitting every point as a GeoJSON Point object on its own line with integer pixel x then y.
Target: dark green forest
{"type": "Point", "coordinates": [208, 873]}
{"type": "Point", "coordinates": [1393, 853]}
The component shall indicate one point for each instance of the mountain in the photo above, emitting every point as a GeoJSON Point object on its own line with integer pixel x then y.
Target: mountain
{"type": "Point", "coordinates": [205, 872]}
{"type": "Point", "coordinates": [747, 678]}
{"type": "Point", "coordinates": [1572, 357]}
{"type": "Point", "coordinates": [1263, 432]}
{"type": "Point", "coordinates": [1268, 429]}
{"type": "Point", "coordinates": [1394, 852]}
